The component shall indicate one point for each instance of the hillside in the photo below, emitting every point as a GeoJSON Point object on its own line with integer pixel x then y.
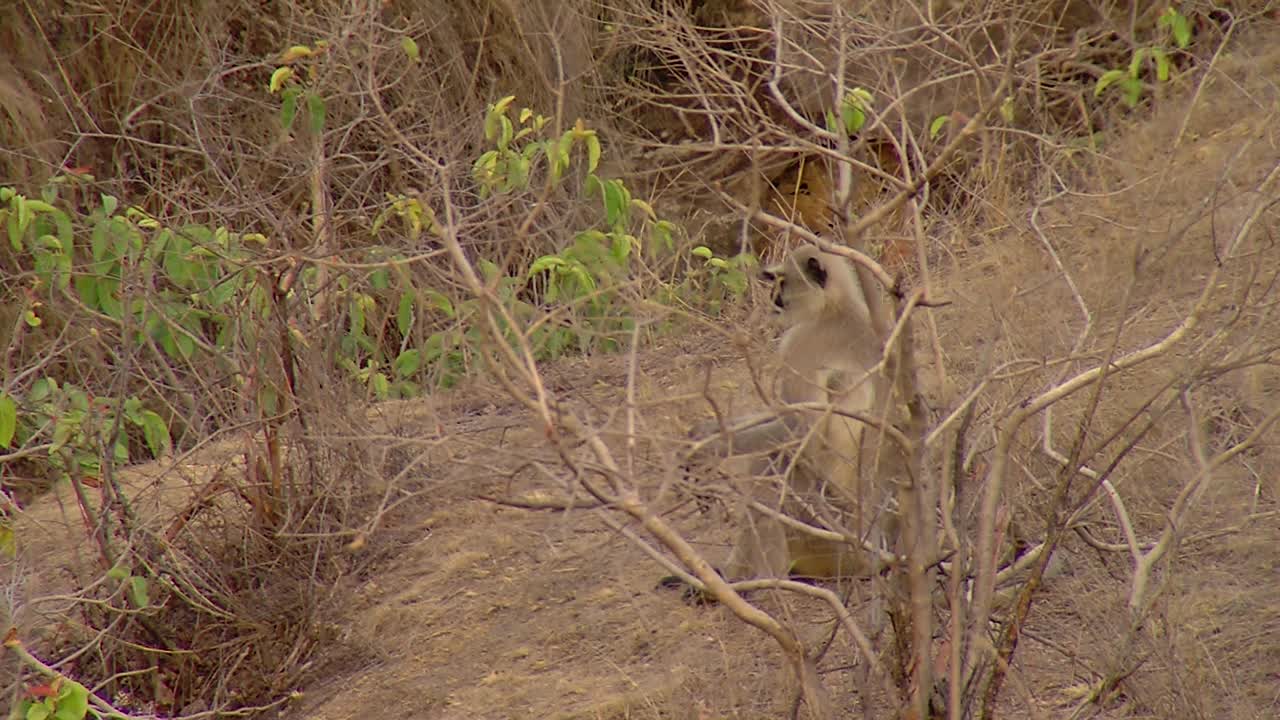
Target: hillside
{"type": "Point", "coordinates": [329, 418]}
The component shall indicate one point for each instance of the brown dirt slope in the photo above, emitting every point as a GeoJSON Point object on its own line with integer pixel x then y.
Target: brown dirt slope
{"type": "Point", "coordinates": [505, 613]}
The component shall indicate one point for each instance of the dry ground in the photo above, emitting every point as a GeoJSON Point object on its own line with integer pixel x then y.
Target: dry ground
{"type": "Point", "coordinates": [488, 611]}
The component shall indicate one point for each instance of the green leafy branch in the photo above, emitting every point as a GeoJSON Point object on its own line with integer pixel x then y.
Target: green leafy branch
{"type": "Point", "coordinates": [853, 112]}
{"type": "Point", "coordinates": [297, 89]}
{"type": "Point", "coordinates": [61, 698]}
{"type": "Point", "coordinates": [518, 146]}
{"type": "Point", "coordinates": [720, 280]}
{"type": "Point", "coordinates": [65, 421]}
{"type": "Point", "coordinates": [1129, 80]}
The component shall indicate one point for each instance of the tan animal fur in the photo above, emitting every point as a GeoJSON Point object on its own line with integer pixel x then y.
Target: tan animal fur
{"type": "Point", "coordinates": [834, 479]}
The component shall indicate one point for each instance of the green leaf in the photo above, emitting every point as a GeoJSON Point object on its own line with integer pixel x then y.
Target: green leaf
{"type": "Point", "coordinates": [186, 346]}
{"type": "Point", "coordinates": [617, 202]}
{"type": "Point", "coordinates": [109, 204]}
{"type": "Point", "coordinates": [39, 711]}
{"type": "Point", "coordinates": [142, 218]}
{"type": "Point", "coordinates": [158, 243]}
{"type": "Point", "coordinates": [65, 233]}
{"type": "Point", "coordinates": [38, 206]}
{"type": "Point", "coordinates": [646, 207]}
{"type": "Point", "coordinates": [663, 235]}
{"type": "Point", "coordinates": [936, 126]}
{"type": "Point", "coordinates": [63, 264]}
{"type": "Point", "coordinates": [1108, 78]}
{"type": "Point", "coordinates": [501, 106]}
{"type": "Point", "coordinates": [586, 283]}
{"type": "Point", "coordinates": [381, 220]}
{"type": "Point", "coordinates": [1162, 64]}
{"type": "Point", "coordinates": [442, 303]}
{"type": "Point", "coordinates": [407, 363]}
{"type": "Point", "coordinates": [1132, 91]}
{"type": "Point", "coordinates": [832, 125]}
{"type": "Point", "coordinates": [156, 433]}
{"type": "Point", "coordinates": [380, 384]}
{"type": "Point", "coordinates": [531, 150]}
{"type": "Point", "coordinates": [562, 155]}
{"type": "Point", "coordinates": [491, 124]}
{"type": "Point", "coordinates": [316, 112]}
{"type": "Point", "coordinates": [587, 243]}
{"type": "Point", "coordinates": [107, 300]}
{"type": "Point", "coordinates": [11, 226]}
{"type": "Point", "coordinates": [100, 239]}
{"type": "Point", "coordinates": [133, 410]}
{"type": "Point", "coordinates": [355, 317]}
{"type": "Point", "coordinates": [1178, 23]}
{"type": "Point", "coordinates": [41, 389]}
{"type": "Point", "coordinates": [49, 244]}
{"type": "Point", "coordinates": [517, 173]}
{"type": "Point", "coordinates": [1135, 65]}
{"type": "Point", "coordinates": [493, 118]}
{"type": "Point", "coordinates": [8, 419]}
{"type": "Point", "coordinates": [702, 251]}
{"type": "Point", "coordinates": [268, 401]}
{"type": "Point", "coordinates": [289, 107]}
{"type": "Point", "coordinates": [404, 313]}
{"type": "Point", "coordinates": [508, 131]}
{"type": "Point", "coordinates": [853, 110]}
{"type": "Point", "coordinates": [544, 263]}
{"type": "Point", "coordinates": [278, 79]}
{"type": "Point", "coordinates": [73, 701]}
{"type": "Point", "coordinates": [861, 96]}
{"type": "Point", "coordinates": [593, 152]}
{"type": "Point", "coordinates": [434, 347]}
{"type": "Point", "coordinates": [138, 592]}
{"type": "Point", "coordinates": [23, 213]}
{"type": "Point", "coordinates": [78, 399]}
{"type": "Point", "coordinates": [61, 434]}
{"type": "Point", "coordinates": [1006, 109]}
{"type": "Point", "coordinates": [623, 244]}
{"type": "Point", "coordinates": [410, 47]}
{"type": "Point", "coordinates": [223, 292]}
{"type": "Point", "coordinates": [853, 116]}
{"type": "Point", "coordinates": [485, 167]}
{"type": "Point", "coordinates": [8, 542]}
{"type": "Point", "coordinates": [1181, 30]}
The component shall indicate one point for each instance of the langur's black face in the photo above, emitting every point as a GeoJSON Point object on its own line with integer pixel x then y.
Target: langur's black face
{"type": "Point", "coordinates": [775, 278]}
{"type": "Point", "coordinates": [815, 272]}
{"type": "Point", "coordinates": [799, 285]}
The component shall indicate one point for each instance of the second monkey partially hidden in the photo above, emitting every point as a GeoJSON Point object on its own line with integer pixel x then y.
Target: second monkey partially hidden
{"type": "Point", "coordinates": [819, 464]}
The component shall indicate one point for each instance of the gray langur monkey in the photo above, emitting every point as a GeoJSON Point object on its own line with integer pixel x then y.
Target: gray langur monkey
{"type": "Point", "coordinates": [837, 471]}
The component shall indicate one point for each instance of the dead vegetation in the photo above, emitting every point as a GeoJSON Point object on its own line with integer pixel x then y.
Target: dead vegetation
{"type": "Point", "coordinates": [1086, 286]}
